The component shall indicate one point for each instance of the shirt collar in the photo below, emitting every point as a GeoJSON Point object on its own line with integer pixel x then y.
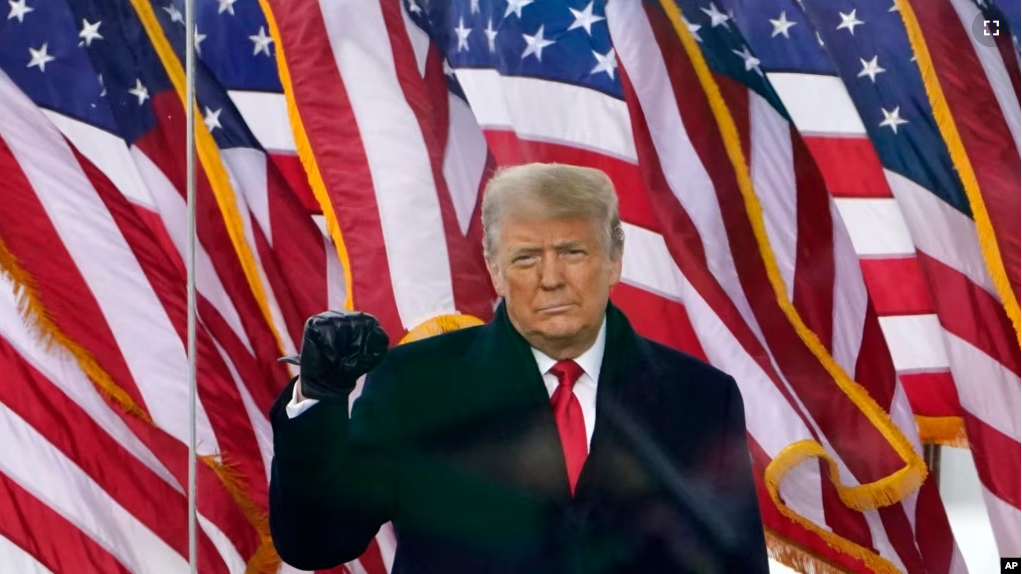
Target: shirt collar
{"type": "Point", "coordinates": [590, 361]}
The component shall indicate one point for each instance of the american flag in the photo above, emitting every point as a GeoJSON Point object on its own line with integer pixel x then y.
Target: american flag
{"type": "Point", "coordinates": [545, 82]}
{"type": "Point", "coordinates": [848, 74]}
{"type": "Point", "coordinates": [93, 231]}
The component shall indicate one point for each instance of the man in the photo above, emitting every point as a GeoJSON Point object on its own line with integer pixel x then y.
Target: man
{"type": "Point", "coordinates": [552, 439]}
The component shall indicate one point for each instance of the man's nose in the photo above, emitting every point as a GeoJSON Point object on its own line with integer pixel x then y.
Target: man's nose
{"type": "Point", "coordinates": [551, 272]}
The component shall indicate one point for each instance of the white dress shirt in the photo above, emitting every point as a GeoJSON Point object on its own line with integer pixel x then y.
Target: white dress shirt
{"type": "Point", "coordinates": [585, 387]}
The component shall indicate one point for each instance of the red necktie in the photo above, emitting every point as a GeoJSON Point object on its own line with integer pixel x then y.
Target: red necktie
{"type": "Point", "coordinates": [568, 414]}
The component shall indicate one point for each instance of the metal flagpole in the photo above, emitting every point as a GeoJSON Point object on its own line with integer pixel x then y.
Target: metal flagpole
{"type": "Point", "coordinates": [190, 264]}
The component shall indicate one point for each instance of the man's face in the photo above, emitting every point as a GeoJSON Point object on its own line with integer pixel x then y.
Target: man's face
{"type": "Point", "coordinates": [555, 276]}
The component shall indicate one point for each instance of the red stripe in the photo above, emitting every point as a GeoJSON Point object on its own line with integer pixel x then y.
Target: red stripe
{"type": "Point", "coordinates": [996, 457]}
{"type": "Point", "coordinates": [897, 286]}
{"type": "Point", "coordinates": [164, 145]}
{"type": "Point", "coordinates": [874, 368]}
{"type": "Point", "coordinates": [49, 537]}
{"type": "Point", "coordinates": [690, 257]}
{"type": "Point", "coordinates": [428, 99]}
{"type": "Point", "coordinates": [60, 286]}
{"type": "Point", "coordinates": [933, 531]}
{"type": "Point", "coordinates": [971, 313]}
{"type": "Point", "coordinates": [509, 149]}
{"type": "Point", "coordinates": [813, 294]}
{"type": "Point", "coordinates": [833, 413]}
{"type": "Point", "coordinates": [658, 318]}
{"type": "Point", "coordinates": [843, 521]}
{"type": "Point", "coordinates": [850, 166]}
{"type": "Point", "coordinates": [124, 478]}
{"type": "Point", "coordinates": [932, 394]}
{"type": "Point", "coordinates": [291, 168]}
{"type": "Point", "coordinates": [299, 252]}
{"type": "Point", "coordinates": [791, 530]}
{"type": "Point", "coordinates": [981, 125]}
{"type": "Point", "coordinates": [217, 390]}
{"type": "Point", "coordinates": [334, 138]}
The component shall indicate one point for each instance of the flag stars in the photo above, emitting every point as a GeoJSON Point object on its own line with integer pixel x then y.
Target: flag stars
{"type": "Point", "coordinates": [894, 6]}
{"type": "Point", "coordinates": [849, 22]}
{"type": "Point", "coordinates": [197, 39]}
{"type": "Point", "coordinates": [102, 93]}
{"type": "Point", "coordinates": [871, 69]}
{"type": "Point", "coordinates": [261, 42]}
{"type": "Point", "coordinates": [462, 33]}
{"type": "Point", "coordinates": [751, 62]}
{"type": "Point", "coordinates": [18, 10]}
{"type": "Point", "coordinates": [174, 13]}
{"type": "Point", "coordinates": [605, 63]}
{"type": "Point", "coordinates": [717, 18]}
{"type": "Point", "coordinates": [515, 7]}
{"type": "Point", "coordinates": [585, 18]}
{"type": "Point", "coordinates": [491, 36]}
{"type": "Point", "coordinates": [225, 6]}
{"type": "Point", "coordinates": [893, 119]}
{"type": "Point", "coordinates": [212, 119]}
{"type": "Point", "coordinates": [39, 58]}
{"type": "Point", "coordinates": [692, 29]}
{"type": "Point", "coordinates": [139, 91]}
{"type": "Point", "coordinates": [413, 7]}
{"type": "Point", "coordinates": [781, 26]}
{"type": "Point", "coordinates": [535, 44]}
{"type": "Point", "coordinates": [89, 33]}
{"type": "Point", "coordinates": [473, 7]}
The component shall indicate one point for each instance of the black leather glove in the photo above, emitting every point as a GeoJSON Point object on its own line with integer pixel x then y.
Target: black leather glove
{"type": "Point", "coordinates": [338, 347]}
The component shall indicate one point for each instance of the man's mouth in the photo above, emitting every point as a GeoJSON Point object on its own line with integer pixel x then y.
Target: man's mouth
{"type": "Point", "coordinates": [554, 309]}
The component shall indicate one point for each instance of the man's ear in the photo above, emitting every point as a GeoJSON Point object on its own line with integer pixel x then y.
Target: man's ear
{"type": "Point", "coordinates": [495, 277]}
{"type": "Point", "coordinates": [615, 268]}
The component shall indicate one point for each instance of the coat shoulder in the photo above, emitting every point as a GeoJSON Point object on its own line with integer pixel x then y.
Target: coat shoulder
{"type": "Point", "coordinates": [681, 365]}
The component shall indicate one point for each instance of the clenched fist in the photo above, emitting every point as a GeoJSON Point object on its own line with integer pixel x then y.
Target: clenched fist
{"type": "Point", "coordinates": [338, 347]}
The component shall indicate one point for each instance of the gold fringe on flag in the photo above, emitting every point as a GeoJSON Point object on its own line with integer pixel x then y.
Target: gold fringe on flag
{"type": "Point", "coordinates": [883, 492]}
{"type": "Point", "coordinates": [945, 431]}
{"type": "Point", "coordinates": [41, 324]}
{"type": "Point", "coordinates": [798, 557]}
{"type": "Point", "coordinates": [963, 167]}
{"type": "Point", "coordinates": [307, 157]}
{"type": "Point", "coordinates": [888, 490]}
{"type": "Point", "coordinates": [209, 157]}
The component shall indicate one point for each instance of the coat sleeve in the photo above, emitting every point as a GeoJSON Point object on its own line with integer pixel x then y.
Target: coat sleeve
{"type": "Point", "coordinates": [746, 548]}
{"type": "Point", "coordinates": [333, 479]}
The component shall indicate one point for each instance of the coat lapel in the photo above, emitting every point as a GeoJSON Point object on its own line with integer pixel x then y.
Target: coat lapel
{"type": "Point", "coordinates": [627, 370]}
{"type": "Point", "coordinates": [514, 390]}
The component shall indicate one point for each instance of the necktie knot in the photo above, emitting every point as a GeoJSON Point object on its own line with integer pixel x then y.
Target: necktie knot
{"type": "Point", "coordinates": [567, 372]}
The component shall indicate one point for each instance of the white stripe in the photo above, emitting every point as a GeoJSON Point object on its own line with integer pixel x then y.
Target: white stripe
{"type": "Point", "coordinates": [876, 226]}
{"type": "Point", "coordinates": [993, 66]}
{"type": "Point", "coordinates": [14, 559]}
{"type": "Point", "coordinates": [915, 341]}
{"type": "Point", "coordinates": [386, 539]}
{"type": "Point", "coordinates": [172, 209]}
{"type": "Point", "coordinates": [336, 293]}
{"type": "Point", "coordinates": [246, 170]}
{"type": "Point", "coordinates": [464, 160]}
{"type": "Point", "coordinates": [685, 173]}
{"type": "Point", "coordinates": [771, 421]}
{"type": "Point", "coordinates": [850, 296]}
{"type": "Point", "coordinates": [939, 230]}
{"type": "Point", "coordinates": [1006, 523]}
{"type": "Point", "coordinates": [419, 40]}
{"type": "Point", "coordinates": [881, 542]}
{"type": "Point", "coordinates": [551, 112]}
{"type": "Point", "coordinates": [772, 167]}
{"type": "Point", "coordinates": [817, 104]}
{"type": "Point", "coordinates": [61, 369]}
{"type": "Point", "coordinates": [41, 469]}
{"type": "Point", "coordinates": [260, 424]}
{"type": "Point", "coordinates": [266, 115]}
{"type": "Point", "coordinates": [152, 349]}
{"type": "Point", "coordinates": [985, 387]}
{"type": "Point", "coordinates": [108, 153]}
{"type": "Point", "coordinates": [399, 162]}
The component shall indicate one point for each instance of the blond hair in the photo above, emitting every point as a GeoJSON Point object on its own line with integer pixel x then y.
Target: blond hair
{"type": "Point", "coordinates": [559, 191]}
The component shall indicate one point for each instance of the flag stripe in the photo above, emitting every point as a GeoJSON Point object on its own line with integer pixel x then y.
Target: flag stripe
{"type": "Point", "coordinates": [849, 165]}
{"type": "Point", "coordinates": [65, 548]}
{"type": "Point", "coordinates": [897, 285]}
{"type": "Point", "coordinates": [334, 136]}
